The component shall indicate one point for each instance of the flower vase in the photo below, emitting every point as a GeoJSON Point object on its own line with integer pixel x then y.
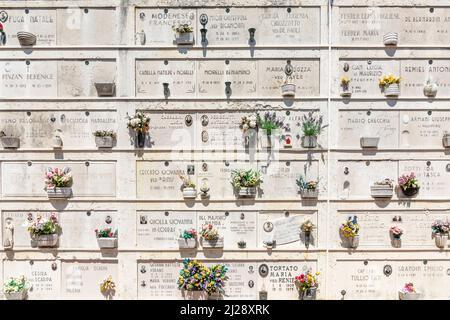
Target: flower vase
{"type": "Point", "coordinates": [140, 139]}
{"type": "Point", "coordinates": [409, 192]}
{"type": "Point", "coordinates": [396, 242]}
{"type": "Point", "coordinates": [21, 295]}
{"type": "Point", "coordinates": [307, 239]}
{"type": "Point", "coordinates": [308, 294]}
{"type": "Point", "coordinates": [440, 240]}
{"type": "Point", "coordinates": [353, 242]}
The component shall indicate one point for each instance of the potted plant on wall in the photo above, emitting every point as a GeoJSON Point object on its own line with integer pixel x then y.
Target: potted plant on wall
{"type": "Point", "coordinates": [245, 182]}
{"type": "Point", "coordinates": [306, 228]}
{"type": "Point", "coordinates": [345, 89]}
{"type": "Point", "coordinates": [249, 127]}
{"type": "Point", "coordinates": [215, 282]}
{"type": "Point", "coordinates": [108, 288]}
{"type": "Point", "coordinates": [184, 34]}
{"type": "Point", "coordinates": [382, 189]}
{"type": "Point", "coordinates": [311, 127]}
{"type": "Point", "coordinates": [408, 184]}
{"type": "Point", "coordinates": [396, 234]}
{"type": "Point", "coordinates": [44, 231]}
{"type": "Point", "coordinates": [188, 188]}
{"type": "Point", "coordinates": [58, 182]}
{"type": "Point", "coordinates": [193, 280]}
{"type": "Point", "coordinates": [408, 292]}
{"type": "Point", "coordinates": [350, 231]}
{"type": "Point", "coordinates": [104, 138]}
{"type": "Point", "coordinates": [188, 239]}
{"type": "Point", "coordinates": [308, 189]}
{"type": "Point", "coordinates": [391, 86]}
{"type": "Point", "coordinates": [390, 39]}
{"type": "Point", "coordinates": [307, 284]}
{"type": "Point", "coordinates": [139, 123]}
{"type": "Point", "coordinates": [439, 230]}
{"type": "Point", "coordinates": [16, 288]}
{"type": "Point", "coordinates": [106, 239]}
{"type": "Point", "coordinates": [9, 141]}
{"type": "Point", "coordinates": [446, 139]}
{"type": "Point", "coordinates": [271, 125]}
{"type": "Point", "coordinates": [210, 237]}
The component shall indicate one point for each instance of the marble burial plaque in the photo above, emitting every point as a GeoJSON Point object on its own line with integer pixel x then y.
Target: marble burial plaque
{"type": "Point", "coordinates": [354, 125]}
{"type": "Point", "coordinates": [151, 74]}
{"type": "Point", "coordinates": [86, 178]}
{"type": "Point", "coordinates": [19, 221]}
{"type": "Point", "coordinates": [33, 80]}
{"type": "Point", "coordinates": [350, 183]}
{"type": "Point", "coordinates": [213, 74]}
{"type": "Point", "coordinates": [432, 176]}
{"type": "Point", "coordinates": [279, 282]}
{"type": "Point", "coordinates": [161, 229]}
{"type": "Point", "coordinates": [44, 280]}
{"type": "Point", "coordinates": [231, 28]}
{"type": "Point", "coordinates": [285, 230]}
{"type": "Point", "coordinates": [416, 73]}
{"type": "Point", "coordinates": [154, 26]}
{"type": "Point", "coordinates": [77, 78]}
{"type": "Point", "coordinates": [361, 281]}
{"type": "Point", "coordinates": [364, 75]}
{"type": "Point", "coordinates": [375, 227]}
{"type": "Point", "coordinates": [40, 22]}
{"type": "Point", "coordinates": [37, 129]}
{"type": "Point", "coordinates": [78, 227]}
{"type": "Point", "coordinates": [97, 26]}
{"type": "Point", "coordinates": [282, 175]}
{"type": "Point", "coordinates": [419, 129]}
{"type": "Point", "coordinates": [273, 25]}
{"type": "Point", "coordinates": [158, 280]}
{"type": "Point", "coordinates": [370, 281]}
{"type": "Point", "coordinates": [222, 131]}
{"type": "Point", "coordinates": [234, 226]}
{"type": "Point", "coordinates": [242, 281]}
{"type": "Point", "coordinates": [292, 26]}
{"type": "Point", "coordinates": [160, 180]}
{"type": "Point", "coordinates": [81, 280]}
{"type": "Point", "coordinates": [415, 25]}
{"type": "Point", "coordinates": [305, 75]}
{"type": "Point", "coordinates": [218, 177]}
{"type": "Point", "coordinates": [173, 130]}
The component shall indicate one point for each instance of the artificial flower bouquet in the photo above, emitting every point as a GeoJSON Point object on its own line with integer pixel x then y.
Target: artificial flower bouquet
{"type": "Point", "coordinates": [210, 237]}
{"type": "Point", "coordinates": [58, 182]}
{"type": "Point", "coordinates": [307, 284]}
{"type": "Point", "coordinates": [188, 239]}
{"type": "Point", "coordinates": [409, 184]}
{"type": "Point", "coordinates": [408, 292]}
{"type": "Point", "coordinates": [44, 231]}
{"type": "Point", "coordinates": [16, 288]}
{"type": "Point", "coordinates": [245, 182]}
{"type": "Point", "coordinates": [350, 231]}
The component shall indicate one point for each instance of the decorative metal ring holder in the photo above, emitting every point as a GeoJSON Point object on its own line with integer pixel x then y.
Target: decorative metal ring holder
{"type": "Point", "coordinates": [203, 30]}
